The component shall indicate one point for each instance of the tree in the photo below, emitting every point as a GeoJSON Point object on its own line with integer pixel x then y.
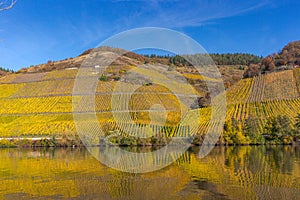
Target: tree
{"type": "Point", "coordinates": [233, 133]}
{"type": "Point", "coordinates": [297, 125]}
{"type": "Point", "coordinates": [253, 70]}
{"type": "Point", "coordinates": [251, 129]}
{"type": "Point", "coordinates": [268, 63]}
{"type": "Point", "coordinates": [297, 128]}
{"type": "Point", "coordinates": [279, 129]}
{"type": "Point", "coordinates": [7, 4]}
{"type": "Point", "coordinates": [228, 132]}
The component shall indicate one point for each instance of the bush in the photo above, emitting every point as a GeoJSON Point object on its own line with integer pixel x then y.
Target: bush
{"type": "Point", "coordinates": [103, 77]}
{"type": "Point", "coordinates": [253, 70]}
{"type": "Point", "coordinates": [7, 143]}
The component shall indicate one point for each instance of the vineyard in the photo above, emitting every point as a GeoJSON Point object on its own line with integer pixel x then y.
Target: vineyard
{"type": "Point", "coordinates": [297, 77]}
{"type": "Point", "coordinates": [274, 86]}
{"type": "Point", "coordinates": [41, 103]}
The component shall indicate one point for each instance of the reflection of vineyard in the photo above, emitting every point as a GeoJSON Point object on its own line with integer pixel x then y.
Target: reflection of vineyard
{"type": "Point", "coordinates": [42, 103]}
{"type": "Point", "coordinates": [233, 173]}
{"type": "Point", "coordinates": [252, 172]}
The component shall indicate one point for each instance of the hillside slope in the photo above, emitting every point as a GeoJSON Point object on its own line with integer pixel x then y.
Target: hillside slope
{"type": "Point", "coordinates": [40, 103]}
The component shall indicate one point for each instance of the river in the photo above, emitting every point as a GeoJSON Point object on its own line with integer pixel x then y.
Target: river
{"type": "Point", "coordinates": [244, 172]}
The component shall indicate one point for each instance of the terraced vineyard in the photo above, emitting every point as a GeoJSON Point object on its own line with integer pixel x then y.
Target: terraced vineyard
{"type": "Point", "coordinates": [41, 103]}
{"type": "Point", "coordinates": [274, 86]}
{"type": "Point", "coordinates": [297, 77]}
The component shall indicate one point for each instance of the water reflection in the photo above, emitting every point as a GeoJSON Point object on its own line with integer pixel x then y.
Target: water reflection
{"type": "Point", "coordinates": [257, 172]}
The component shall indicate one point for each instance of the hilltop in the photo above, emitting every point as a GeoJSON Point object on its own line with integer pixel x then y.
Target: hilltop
{"type": "Point", "coordinates": [289, 55]}
{"type": "Point", "coordinates": [287, 58]}
{"type": "Point", "coordinates": [127, 58]}
{"type": "Point", "coordinates": [231, 66]}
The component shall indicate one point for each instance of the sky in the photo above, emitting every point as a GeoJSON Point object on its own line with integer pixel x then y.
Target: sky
{"type": "Point", "coordinates": [35, 31]}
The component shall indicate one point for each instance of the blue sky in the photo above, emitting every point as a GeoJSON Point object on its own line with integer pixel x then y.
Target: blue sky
{"type": "Point", "coordinates": [35, 31]}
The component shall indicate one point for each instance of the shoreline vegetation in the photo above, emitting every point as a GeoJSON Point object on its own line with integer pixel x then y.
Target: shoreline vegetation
{"type": "Point", "coordinates": [154, 141]}
{"type": "Point", "coordinates": [32, 142]}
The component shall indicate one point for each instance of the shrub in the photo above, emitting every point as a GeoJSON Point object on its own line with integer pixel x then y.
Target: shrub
{"type": "Point", "coordinates": [103, 77]}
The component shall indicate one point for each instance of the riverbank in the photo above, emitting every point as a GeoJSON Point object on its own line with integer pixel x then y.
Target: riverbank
{"type": "Point", "coordinates": [63, 141]}
{"type": "Point", "coordinates": [75, 141]}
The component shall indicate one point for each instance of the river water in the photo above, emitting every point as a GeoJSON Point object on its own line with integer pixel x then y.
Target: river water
{"type": "Point", "coordinates": [246, 172]}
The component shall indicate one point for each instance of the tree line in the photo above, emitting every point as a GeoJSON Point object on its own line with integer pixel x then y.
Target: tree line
{"type": "Point", "coordinates": [218, 59]}
{"type": "Point", "coordinates": [276, 130]}
{"type": "Point", "coordinates": [6, 69]}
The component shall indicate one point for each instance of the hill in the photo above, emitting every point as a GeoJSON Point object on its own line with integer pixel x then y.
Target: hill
{"type": "Point", "coordinates": [40, 103]}
{"type": "Point", "coordinates": [127, 58]}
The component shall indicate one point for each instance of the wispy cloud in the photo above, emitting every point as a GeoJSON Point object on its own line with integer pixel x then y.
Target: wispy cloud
{"type": "Point", "coordinates": [66, 29]}
{"type": "Point", "coordinates": [178, 14]}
